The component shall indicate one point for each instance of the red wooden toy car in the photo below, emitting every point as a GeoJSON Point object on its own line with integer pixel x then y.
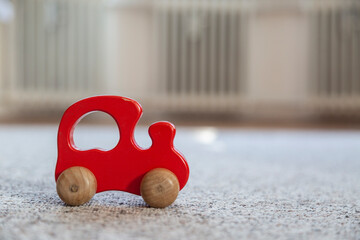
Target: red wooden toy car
{"type": "Point", "coordinates": [157, 173]}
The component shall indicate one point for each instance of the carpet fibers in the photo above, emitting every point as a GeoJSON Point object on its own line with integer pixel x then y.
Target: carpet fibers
{"type": "Point", "coordinates": [244, 183]}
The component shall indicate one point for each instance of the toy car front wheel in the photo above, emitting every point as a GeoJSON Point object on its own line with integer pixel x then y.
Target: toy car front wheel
{"type": "Point", "coordinates": [76, 185]}
{"type": "Point", "coordinates": [159, 187]}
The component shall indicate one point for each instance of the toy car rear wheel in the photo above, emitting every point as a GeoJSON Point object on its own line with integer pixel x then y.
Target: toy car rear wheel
{"type": "Point", "coordinates": [76, 185]}
{"type": "Point", "coordinates": [159, 187]}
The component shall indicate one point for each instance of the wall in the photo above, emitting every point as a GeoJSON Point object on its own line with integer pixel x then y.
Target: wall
{"type": "Point", "coordinates": [278, 57]}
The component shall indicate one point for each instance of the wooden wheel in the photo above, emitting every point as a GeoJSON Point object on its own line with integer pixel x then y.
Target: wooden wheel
{"type": "Point", "coordinates": [76, 185]}
{"type": "Point", "coordinates": [159, 187]}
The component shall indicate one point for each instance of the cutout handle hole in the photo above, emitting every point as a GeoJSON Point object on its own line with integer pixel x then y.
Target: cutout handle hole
{"type": "Point", "coordinates": [97, 130]}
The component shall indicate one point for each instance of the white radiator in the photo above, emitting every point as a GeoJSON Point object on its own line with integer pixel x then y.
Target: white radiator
{"type": "Point", "coordinates": [200, 54]}
{"type": "Point", "coordinates": [335, 56]}
{"type": "Point", "coordinates": [56, 52]}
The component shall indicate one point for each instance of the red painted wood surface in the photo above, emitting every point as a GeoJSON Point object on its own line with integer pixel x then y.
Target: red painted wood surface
{"type": "Point", "coordinates": [123, 167]}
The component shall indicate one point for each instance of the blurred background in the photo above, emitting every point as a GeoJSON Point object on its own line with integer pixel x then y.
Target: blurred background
{"type": "Point", "coordinates": [193, 61]}
{"type": "Point", "coordinates": [265, 95]}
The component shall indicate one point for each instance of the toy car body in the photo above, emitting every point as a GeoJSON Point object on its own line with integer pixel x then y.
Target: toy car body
{"type": "Point", "coordinates": [123, 167]}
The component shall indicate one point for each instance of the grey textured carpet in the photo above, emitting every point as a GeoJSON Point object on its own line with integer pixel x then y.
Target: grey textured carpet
{"type": "Point", "coordinates": [252, 184]}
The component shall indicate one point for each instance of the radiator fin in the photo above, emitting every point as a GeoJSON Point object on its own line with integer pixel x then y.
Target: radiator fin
{"type": "Point", "coordinates": [201, 49]}
{"type": "Point", "coordinates": [58, 48]}
{"type": "Point", "coordinates": [337, 65]}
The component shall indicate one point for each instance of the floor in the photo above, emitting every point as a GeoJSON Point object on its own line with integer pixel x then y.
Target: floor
{"type": "Point", "coordinates": [244, 183]}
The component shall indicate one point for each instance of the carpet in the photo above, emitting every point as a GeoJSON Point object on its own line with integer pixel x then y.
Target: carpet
{"type": "Point", "coordinates": [244, 184]}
